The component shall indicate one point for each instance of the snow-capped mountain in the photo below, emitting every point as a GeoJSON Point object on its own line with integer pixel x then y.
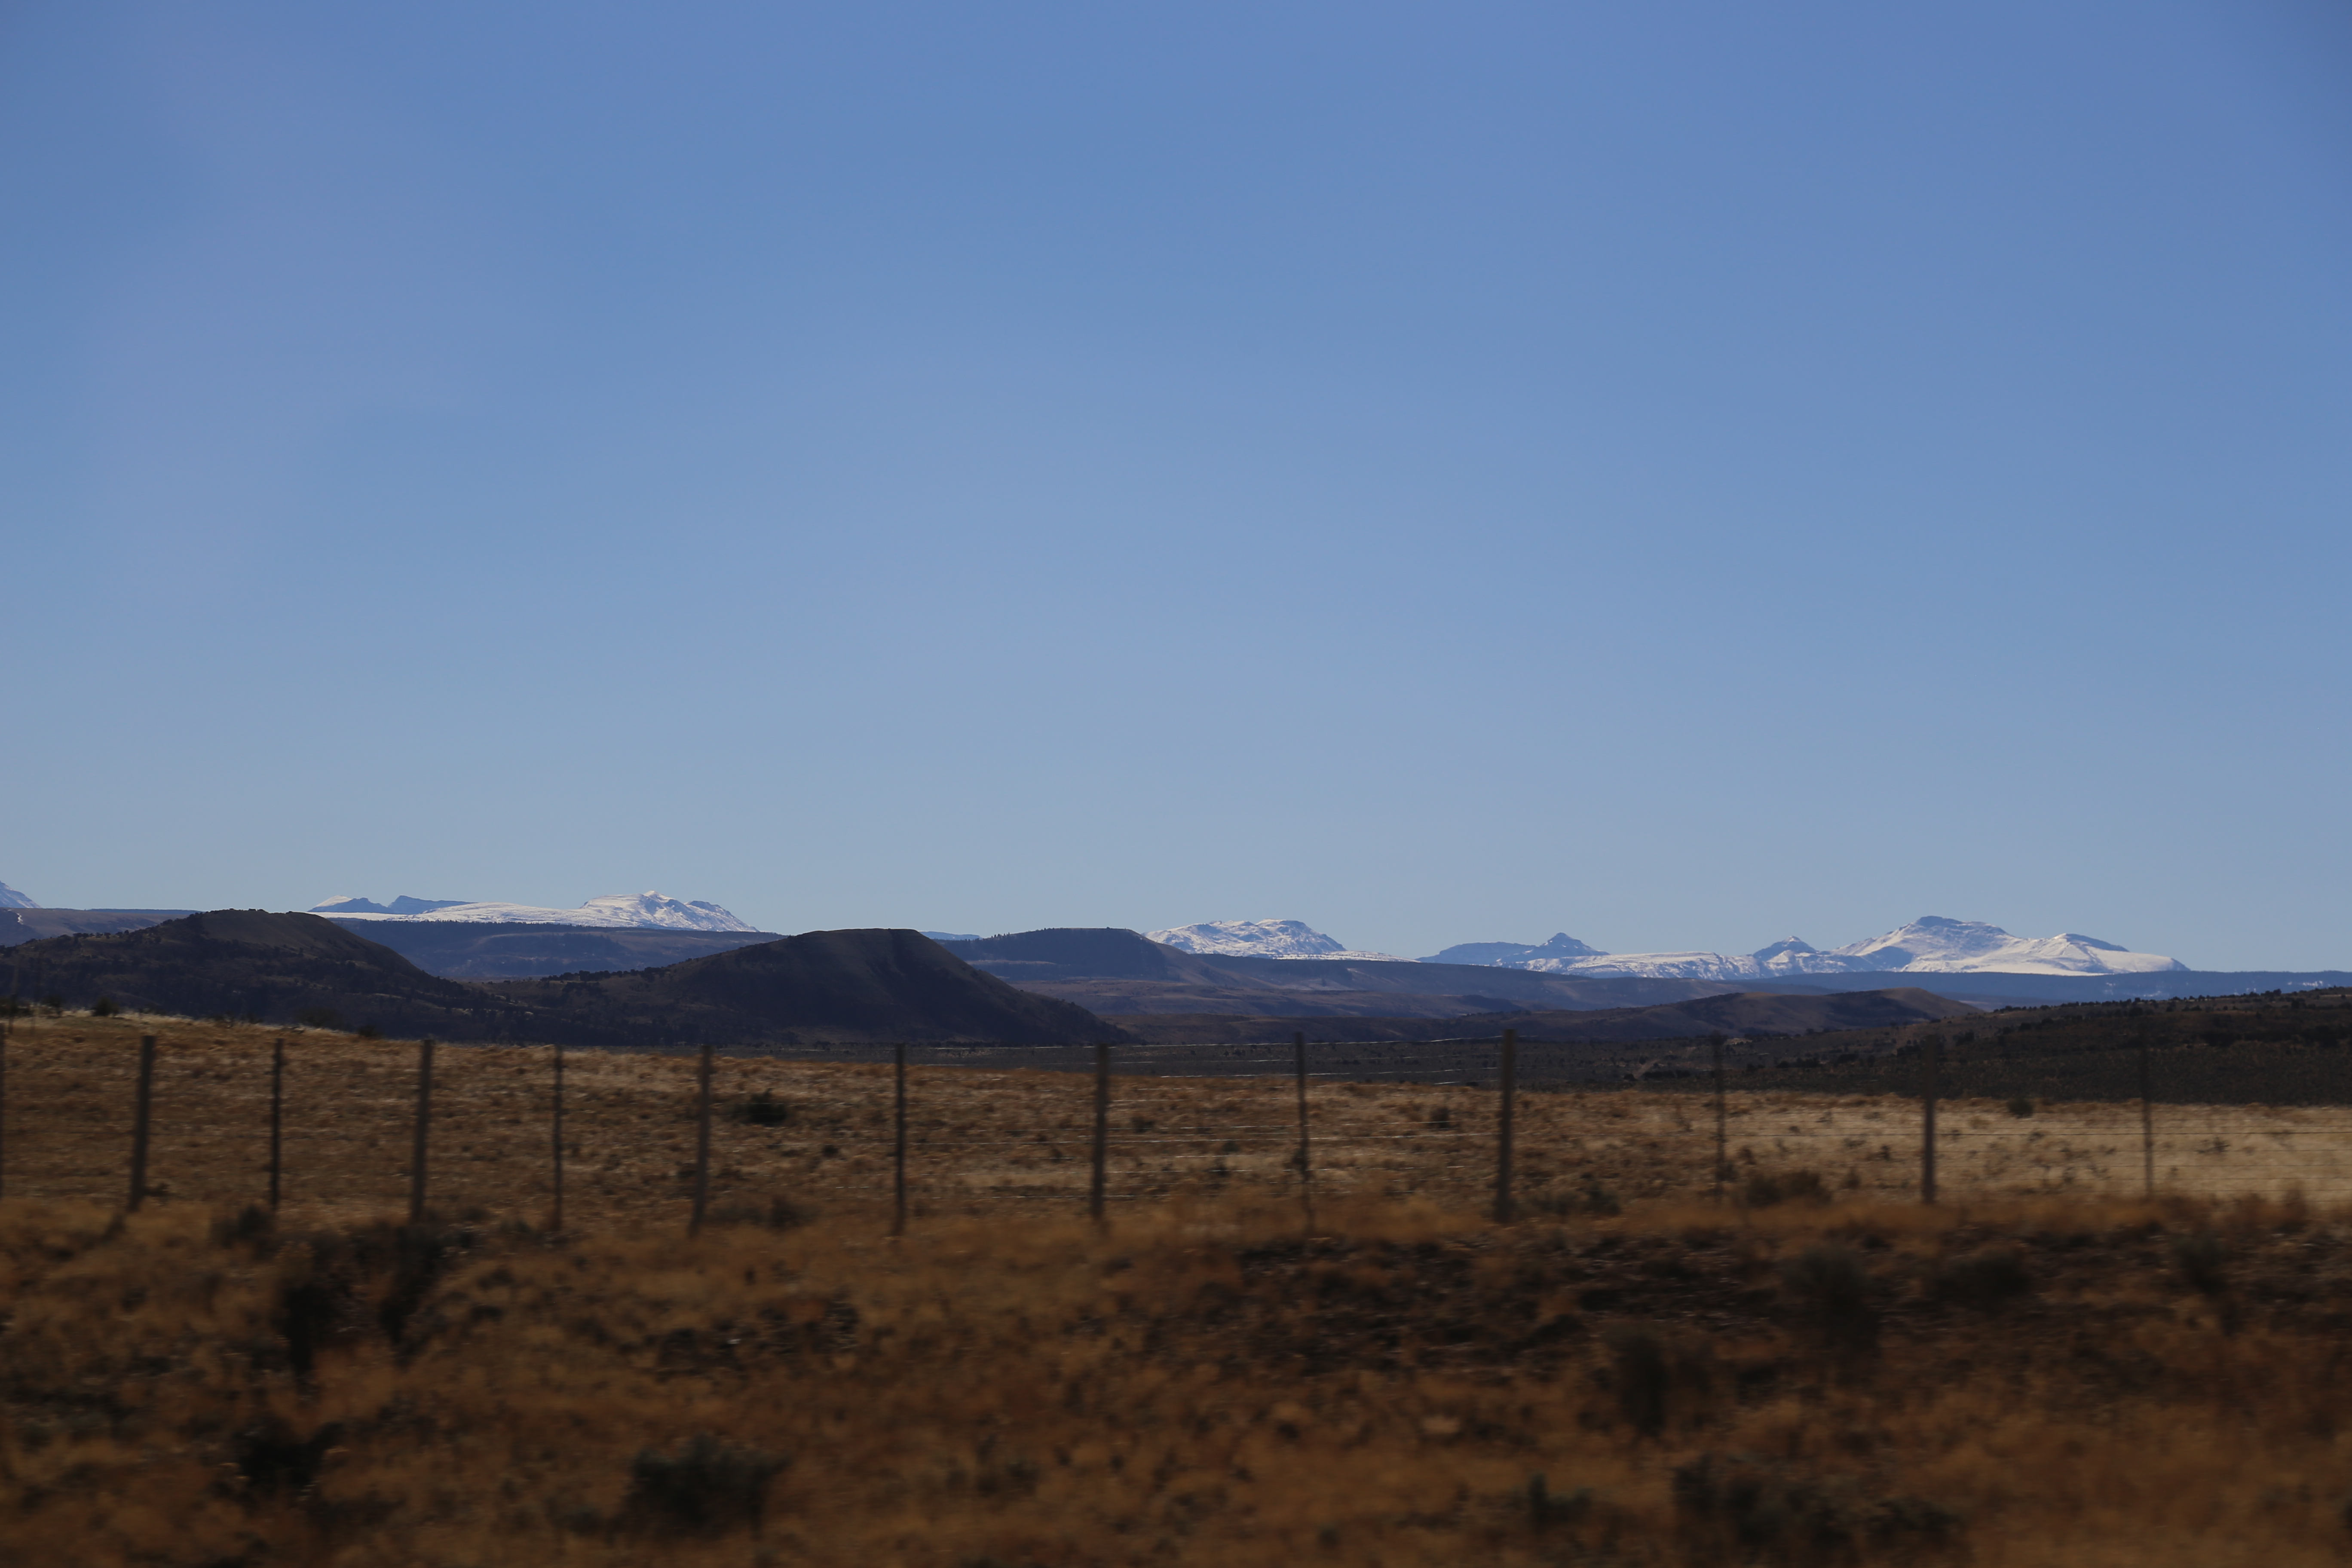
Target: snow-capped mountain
{"type": "Point", "coordinates": [647, 909]}
{"type": "Point", "coordinates": [1263, 938]}
{"type": "Point", "coordinates": [1932, 944]}
{"type": "Point", "coordinates": [1495, 953]}
{"type": "Point", "coordinates": [345, 904]}
{"type": "Point", "coordinates": [10, 899]}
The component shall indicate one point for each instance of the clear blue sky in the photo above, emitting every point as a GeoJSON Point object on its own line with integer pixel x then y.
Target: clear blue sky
{"type": "Point", "coordinates": [1680, 473]}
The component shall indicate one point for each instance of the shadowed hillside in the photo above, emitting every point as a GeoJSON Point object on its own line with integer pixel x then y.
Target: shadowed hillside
{"type": "Point", "coordinates": [853, 985]}
{"type": "Point", "coordinates": [1755, 1013]}
{"type": "Point", "coordinates": [819, 986]}
{"type": "Point", "coordinates": [1121, 973]}
{"type": "Point", "coordinates": [254, 964]}
{"type": "Point", "coordinates": [469, 950]}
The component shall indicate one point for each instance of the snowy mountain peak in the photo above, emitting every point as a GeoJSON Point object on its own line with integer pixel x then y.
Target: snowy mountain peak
{"type": "Point", "coordinates": [1561, 945]}
{"type": "Point", "coordinates": [1933, 944]}
{"type": "Point", "coordinates": [10, 899]}
{"type": "Point", "coordinates": [634, 909]}
{"type": "Point", "coordinates": [1262, 939]}
{"type": "Point", "coordinates": [346, 904]}
{"type": "Point", "coordinates": [651, 908]}
{"type": "Point", "coordinates": [1937, 944]}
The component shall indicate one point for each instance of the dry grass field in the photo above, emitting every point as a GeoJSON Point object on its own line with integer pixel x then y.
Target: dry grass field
{"type": "Point", "coordinates": [2041, 1369]}
{"type": "Point", "coordinates": [1011, 1142]}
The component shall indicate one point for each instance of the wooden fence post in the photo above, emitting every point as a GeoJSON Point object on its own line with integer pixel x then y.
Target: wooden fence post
{"type": "Point", "coordinates": [1503, 1142]}
{"type": "Point", "coordinates": [555, 1218]}
{"type": "Point", "coordinates": [899, 1147]}
{"type": "Point", "coordinates": [702, 1146]}
{"type": "Point", "coordinates": [1935, 1043]}
{"type": "Point", "coordinates": [277, 1116]}
{"type": "Point", "coordinates": [1306, 1150]}
{"type": "Point", "coordinates": [2147, 1124]}
{"type": "Point", "coordinates": [421, 1142]}
{"type": "Point", "coordinates": [1722, 1149]}
{"type": "Point", "coordinates": [139, 1106]}
{"type": "Point", "coordinates": [1102, 1128]}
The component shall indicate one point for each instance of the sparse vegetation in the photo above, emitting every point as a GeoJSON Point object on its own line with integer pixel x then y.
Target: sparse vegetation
{"type": "Point", "coordinates": [2007, 1380]}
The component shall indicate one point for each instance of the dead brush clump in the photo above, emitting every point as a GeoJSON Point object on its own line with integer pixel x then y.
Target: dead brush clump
{"type": "Point", "coordinates": [1747, 1509]}
{"type": "Point", "coordinates": [705, 1487]}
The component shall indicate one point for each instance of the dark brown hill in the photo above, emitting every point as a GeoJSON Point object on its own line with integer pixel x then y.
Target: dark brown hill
{"type": "Point", "coordinates": [826, 985]}
{"type": "Point", "coordinates": [1121, 973]}
{"type": "Point", "coordinates": [1744, 1013]}
{"type": "Point", "coordinates": [468, 950]}
{"type": "Point", "coordinates": [250, 962]}
{"type": "Point", "coordinates": [1062, 953]}
{"type": "Point", "coordinates": [845, 986]}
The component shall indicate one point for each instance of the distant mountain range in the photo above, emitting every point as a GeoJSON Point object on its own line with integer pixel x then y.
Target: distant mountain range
{"type": "Point", "coordinates": [1932, 944]}
{"type": "Point", "coordinates": [648, 909]}
{"type": "Point", "coordinates": [819, 986]}
{"type": "Point", "coordinates": [10, 899]}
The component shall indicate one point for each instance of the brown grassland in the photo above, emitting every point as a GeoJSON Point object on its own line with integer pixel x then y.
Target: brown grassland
{"type": "Point", "coordinates": [2045, 1368]}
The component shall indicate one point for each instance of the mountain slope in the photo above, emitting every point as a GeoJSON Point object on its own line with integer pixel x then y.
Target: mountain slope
{"type": "Point", "coordinates": [1745, 1014]}
{"type": "Point", "coordinates": [1119, 974]}
{"type": "Point", "coordinates": [822, 987]}
{"type": "Point", "coordinates": [466, 950]}
{"type": "Point", "coordinates": [275, 966]}
{"type": "Point", "coordinates": [1561, 945]}
{"type": "Point", "coordinates": [1740, 1013]}
{"type": "Point", "coordinates": [827, 985]}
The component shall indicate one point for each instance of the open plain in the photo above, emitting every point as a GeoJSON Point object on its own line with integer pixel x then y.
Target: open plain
{"type": "Point", "coordinates": [2043, 1368]}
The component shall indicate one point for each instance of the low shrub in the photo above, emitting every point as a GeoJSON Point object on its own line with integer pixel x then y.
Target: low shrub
{"type": "Point", "coordinates": [1652, 1368]}
{"type": "Point", "coordinates": [104, 1008]}
{"type": "Point", "coordinates": [2201, 1261]}
{"type": "Point", "coordinates": [1591, 1198]}
{"type": "Point", "coordinates": [1765, 1188]}
{"type": "Point", "coordinates": [776, 1214]}
{"type": "Point", "coordinates": [764, 1109]}
{"type": "Point", "coordinates": [704, 1487]}
{"type": "Point", "coordinates": [1832, 1289]}
{"type": "Point", "coordinates": [1987, 1277]}
{"type": "Point", "coordinates": [1747, 1509]}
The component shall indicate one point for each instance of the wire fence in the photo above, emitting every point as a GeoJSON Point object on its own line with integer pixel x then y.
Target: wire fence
{"type": "Point", "coordinates": [138, 1111]}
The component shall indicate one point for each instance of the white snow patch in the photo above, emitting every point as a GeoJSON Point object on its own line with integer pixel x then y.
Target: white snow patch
{"type": "Point", "coordinates": [631, 909]}
{"type": "Point", "coordinates": [1931, 944]}
{"type": "Point", "coordinates": [1264, 939]}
